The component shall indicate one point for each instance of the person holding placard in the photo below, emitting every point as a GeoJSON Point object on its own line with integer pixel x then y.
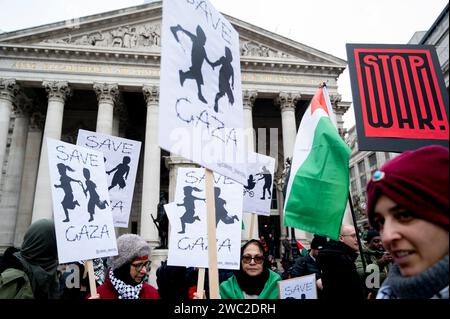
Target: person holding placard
{"type": "Point", "coordinates": [254, 280]}
{"type": "Point", "coordinates": [31, 272]}
{"type": "Point", "coordinates": [125, 279]}
{"type": "Point", "coordinates": [408, 204]}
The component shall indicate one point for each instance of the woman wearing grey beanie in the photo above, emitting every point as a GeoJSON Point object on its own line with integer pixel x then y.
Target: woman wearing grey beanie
{"type": "Point", "coordinates": [125, 277]}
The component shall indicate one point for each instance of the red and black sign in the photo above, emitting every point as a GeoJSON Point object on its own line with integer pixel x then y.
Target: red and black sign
{"type": "Point", "coordinates": [399, 96]}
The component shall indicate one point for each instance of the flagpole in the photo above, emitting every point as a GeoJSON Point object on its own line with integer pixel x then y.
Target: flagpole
{"type": "Point", "coordinates": [357, 232]}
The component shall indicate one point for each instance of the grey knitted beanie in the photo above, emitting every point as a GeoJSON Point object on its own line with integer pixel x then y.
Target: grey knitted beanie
{"type": "Point", "coordinates": [130, 246]}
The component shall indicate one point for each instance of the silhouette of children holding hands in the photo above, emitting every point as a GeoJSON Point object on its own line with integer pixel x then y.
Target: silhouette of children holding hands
{"type": "Point", "coordinates": [198, 55]}
{"type": "Point", "coordinates": [221, 212]}
{"type": "Point", "coordinates": [188, 203]}
{"type": "Point", "coordinates": [225, 74]}
{"type": "Point", "coordinates": [121, 173]}
{"type": "Point", "coordinates": [68, 201]}
{"type": "Point", "coordinates": [265, 174]}
{"type": "Point", "coordinates": [94, 199]}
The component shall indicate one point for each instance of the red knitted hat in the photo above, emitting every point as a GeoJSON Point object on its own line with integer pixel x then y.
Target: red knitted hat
{"type": "Point", "coordinates": [416, 180]}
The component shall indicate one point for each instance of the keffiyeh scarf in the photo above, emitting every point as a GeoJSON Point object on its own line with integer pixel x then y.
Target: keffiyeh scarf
{"type": "Point", "coordinates": [125, 291]}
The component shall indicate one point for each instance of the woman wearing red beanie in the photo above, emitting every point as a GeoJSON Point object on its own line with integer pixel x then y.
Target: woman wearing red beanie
{"type": "Point", "coordinates": [408, 204]}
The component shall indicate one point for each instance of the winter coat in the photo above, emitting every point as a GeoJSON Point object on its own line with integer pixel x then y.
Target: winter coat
{"type": "Point", "coordinates": [340, 279]}
{"type": "Point", "coordinates": [107, 290]}
{"type": "Point", "coordinates": [305, 265]}
{"type": "Point", "coordinates": [14, 284]}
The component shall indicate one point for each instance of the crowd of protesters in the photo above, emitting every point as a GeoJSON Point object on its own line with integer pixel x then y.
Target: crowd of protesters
{"type": "Point", "coordinates": [406, 247]}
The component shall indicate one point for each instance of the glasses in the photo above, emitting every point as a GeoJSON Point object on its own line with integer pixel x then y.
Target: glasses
{"type": "Point", "coordinates": [139, 266]}
{"type": "Point", "coordinates": [351, 235]}
{"type": "Point", "coordinates": [248, 259]}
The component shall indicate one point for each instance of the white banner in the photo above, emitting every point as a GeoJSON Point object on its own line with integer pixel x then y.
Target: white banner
{"type": "Point", "coordinates": [83, 219]}
{"type": "Point", "coordinates": [298, 288]}
{"type": "Point", "coordinates": [258, 190]}
{"type": "Point", "coordinates": [188, 239]}
{"type": "Point", "coordinates": [201, 113]}
{"type": "Point", "coordinates": [121, 158]}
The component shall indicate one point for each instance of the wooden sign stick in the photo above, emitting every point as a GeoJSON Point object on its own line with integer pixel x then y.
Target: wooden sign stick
{"type": "Point", "coordinates": [200, 282]}
{"type": "Point", "coordinates": [213, 273]}
{"type": "Point", "coordinates": [252, 223]}
{"type": "Point", "coordinates": [90, 268]}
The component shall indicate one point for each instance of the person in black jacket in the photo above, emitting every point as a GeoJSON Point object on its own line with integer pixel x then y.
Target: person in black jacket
{"type": "Point", "coordinates": [336, 261]}
{"type": "Point", "coordinates": [306, 265]}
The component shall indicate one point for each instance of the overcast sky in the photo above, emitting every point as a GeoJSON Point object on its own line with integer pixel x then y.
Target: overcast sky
{"type": "Point", "coordinates": [326, 25]}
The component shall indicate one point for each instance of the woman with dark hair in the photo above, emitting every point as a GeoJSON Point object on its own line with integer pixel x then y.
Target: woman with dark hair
{"type": "Point", "coordinates": [254, 280]}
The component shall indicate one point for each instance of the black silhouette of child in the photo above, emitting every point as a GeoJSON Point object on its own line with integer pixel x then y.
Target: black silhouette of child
{"type": "Point", "coordinates": [225, 74]}
{"type": "Point", "coordinates": [94, 199]}
{"type": "Point", "coordinates": [68, 201]}
{"type": "Point", "coordinates": [267, 182]}
{"type": "Point", "coordinates": [188, 203]}
{"type": "Point", "coordinates": [250, 182]}
{"type": "Point", "coordinates": [198, 55]}
{"type": "Point", "coordinates": [121, 173]}
{"type": "Point", "coordinates": [221, 212]}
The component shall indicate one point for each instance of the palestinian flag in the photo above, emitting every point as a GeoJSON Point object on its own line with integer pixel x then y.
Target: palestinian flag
{"type": "Point", "coordinates": [301, 249]}
{"type": "Point", "coordinates": [318, 184]}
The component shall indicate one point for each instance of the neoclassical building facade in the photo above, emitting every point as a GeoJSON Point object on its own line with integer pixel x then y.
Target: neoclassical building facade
{"type": "Point", "coordinates": [101, 73]}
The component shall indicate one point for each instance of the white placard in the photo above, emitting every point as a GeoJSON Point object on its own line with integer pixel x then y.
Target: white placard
{"type": "Point", "coordinates": [200, 109]}
{"type": "Point", "coordinates": [188, 239]}
{"type": "Point", "coordinates": [121, 158]}
{"type": "Point", "coordinates": [298, 288]}
{"type": "Point", "coordinates": [258, 189]}
{"type": "Point", "coordinates": [81, 210]}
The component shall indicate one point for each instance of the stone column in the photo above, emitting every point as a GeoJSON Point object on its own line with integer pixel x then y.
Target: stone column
{"type": "Point", "coordinates": [58, 92]}
{"type": "Point", "coordinates": [11, 188]}
{"type": "Point", "coordinates": [8, 91]}
{"type": "Point", "coordinates": [107, 95]}
{"type": "Point", "coordinates": [152, 168]}
{"type": "Point", "coordinates": [339, 108]}
{"type": "Point", "coordinates": [28, 184]}
{"type": "Point", "coordinates": [287, 101]}
{"type": "Point", "coordinates": [249, 98]}
{"type": "Point", "coordinates": [173, 163]}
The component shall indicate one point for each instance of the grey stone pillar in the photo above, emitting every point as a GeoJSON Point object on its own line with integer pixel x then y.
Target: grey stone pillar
{"type": "Point", "coordinates": [29, 176]}
{"type": "Point", "coordinates": [152, 168]}
{"type": "Point", "coordinates": [14, 169]}
{"type": "Point", "coordinates": [287, 101]}
{"type": "Point", "coordinates": [339, 108]}
{"type": "Point", "coordinates": [107, 95]}
{"type": "Point", "coordinates": [58, 92]}
{"type": "Point", "coordinates": [173, 163]}
{"type": "Point", "coordinates": [248, 101]}
{"type": "Point", "coordinates": [249, 98]}
{"type": "Point", "coordinates": [8, 91]}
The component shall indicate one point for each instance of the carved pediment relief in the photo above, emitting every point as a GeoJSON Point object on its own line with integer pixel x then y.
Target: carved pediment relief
{"type": "Point", "coordinates": [255, 49]}
{"type": "Point", "coordinates": [138, 28]}
{"type": "Point", "coordinates": [126, 36]}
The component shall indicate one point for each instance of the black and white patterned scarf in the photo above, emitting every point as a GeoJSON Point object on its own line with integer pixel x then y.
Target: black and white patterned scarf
{"type": "Point", "coordinates": [125, 291]}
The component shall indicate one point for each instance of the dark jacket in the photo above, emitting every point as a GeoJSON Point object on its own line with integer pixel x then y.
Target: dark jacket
{"type": "Point", "coordinates": [340, 279]}
{"type": "Point", "coordinates": [107, 290]}
{"type": "Point", "coordinates": [305, 265]}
